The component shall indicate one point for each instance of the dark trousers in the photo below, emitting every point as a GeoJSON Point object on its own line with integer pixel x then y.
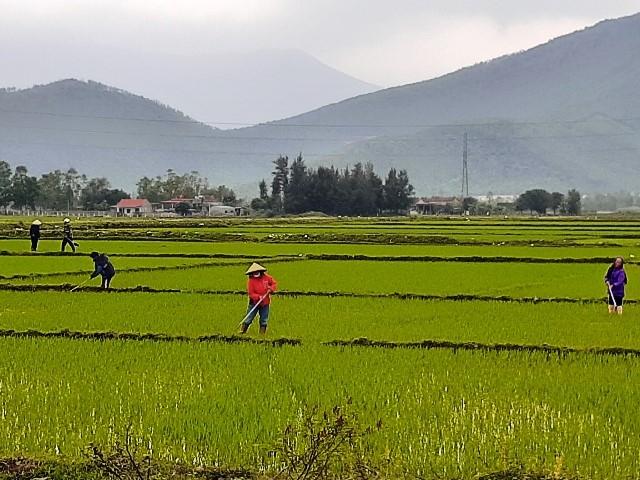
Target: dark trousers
{"type": "Point", "coordinates": [106, 281]}
{"type": "Point", "coordinates": [67, 241]}
{"type": "Point", "coordinates": [618, 299]}
{"type": "Point", "coordinates": [34, 243]}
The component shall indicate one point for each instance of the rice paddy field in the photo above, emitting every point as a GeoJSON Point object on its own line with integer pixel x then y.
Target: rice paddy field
{"type": "Point", "coordinates": [462, 348]}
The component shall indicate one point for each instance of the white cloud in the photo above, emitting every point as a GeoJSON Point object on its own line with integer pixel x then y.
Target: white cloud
{"type": "Point", "coordinates": [189, 11]}
{"type": "Point", "coordinates": [379, 41]}
{"type": "Point", "coordinates": [445, 46]}
{"type": "Point", "coordinates": [235, 11]}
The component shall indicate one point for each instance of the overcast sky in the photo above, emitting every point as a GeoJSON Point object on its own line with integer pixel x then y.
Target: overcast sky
{"type": "Point", "coordinates": [384, 42]}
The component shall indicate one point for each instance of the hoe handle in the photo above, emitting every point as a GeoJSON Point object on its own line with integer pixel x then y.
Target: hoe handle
{"type": "Point", "coordinates": [613, 299]}
{"type": "Point", "coordinates": [254, 307]}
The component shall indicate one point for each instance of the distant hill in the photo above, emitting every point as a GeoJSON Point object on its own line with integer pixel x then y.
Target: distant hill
{"type": "Point", "coordinates": [84, 125]}
{"type": "Point", "coordinates": [580, 91]}
{"type": "Point", "coordinates": [564, 114]}
{"type": "Point", "coordinates": [249, 87]}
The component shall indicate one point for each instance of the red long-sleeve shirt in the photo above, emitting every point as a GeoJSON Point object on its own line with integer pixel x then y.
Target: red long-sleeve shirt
{"type": "Point", "coordinates": [258, 286]}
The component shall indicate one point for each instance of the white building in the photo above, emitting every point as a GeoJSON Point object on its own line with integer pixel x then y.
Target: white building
{"type": "Point", "coordinates": [222, 211]}
{"type": "Point", "coordinates": [133, 207]}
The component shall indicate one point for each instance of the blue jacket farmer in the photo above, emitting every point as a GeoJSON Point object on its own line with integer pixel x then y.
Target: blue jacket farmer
{"type": "Point", "coordinates": [102, 267]}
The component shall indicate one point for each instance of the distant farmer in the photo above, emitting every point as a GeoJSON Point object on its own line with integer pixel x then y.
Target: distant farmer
{"type": "Point", "coordinates": [34, 233]}
{"type": "Point", "coordinates": [102, 267]}
{"type": "Point", "coordinates": [616, 279]}
{"type": "Point", "coordinates": [67, 236]}
{"type": "Point", "coordinates": [259, 286]}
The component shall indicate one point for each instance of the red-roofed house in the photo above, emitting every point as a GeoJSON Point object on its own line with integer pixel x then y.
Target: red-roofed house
{"type": "Point", "coordinates": [133, 207]}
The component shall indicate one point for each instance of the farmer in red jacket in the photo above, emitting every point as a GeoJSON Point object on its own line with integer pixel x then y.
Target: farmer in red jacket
{"type": "Point", "coordinates": [259, 286]}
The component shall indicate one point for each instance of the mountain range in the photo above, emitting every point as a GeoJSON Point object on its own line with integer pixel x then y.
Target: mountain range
{"type": "Point", "coordinates": [244, 87]}
{"type": "Point", "coordinates": [561, 115]}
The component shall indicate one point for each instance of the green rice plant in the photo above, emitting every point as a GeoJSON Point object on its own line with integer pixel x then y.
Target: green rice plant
{"type": "Point", "coordinates": [38, 265]}
{"type": "Point", "coordinates": [370, 277]}
{"type": "Point", "coordinates": [443, 414]}
{"type": "Point", "coordinates": [321, 319]}
{"type": "Point", "coordinates": [381, 231]}
{"type": "Point", "coordinates": [257, 249]}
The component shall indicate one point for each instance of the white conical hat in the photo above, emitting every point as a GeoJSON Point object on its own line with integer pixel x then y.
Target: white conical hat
{"type": "Point", "coordinates": [36, 222]}
{"type": "Point", "coordinates": [255, 267]}
{"type": "Point", "coordinates": [66, 220]}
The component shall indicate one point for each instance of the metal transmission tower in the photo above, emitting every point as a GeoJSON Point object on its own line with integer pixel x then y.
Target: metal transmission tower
{"type": "Point", "coordinates": [465, 168]}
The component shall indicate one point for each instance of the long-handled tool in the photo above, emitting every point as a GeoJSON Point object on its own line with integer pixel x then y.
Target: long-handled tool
{"type": "Point", "coordinates": [254, 308]}
{"type": "Point", "coordinates": [80, 285]}
{"type": "Point", "coordinates": [613, 299]}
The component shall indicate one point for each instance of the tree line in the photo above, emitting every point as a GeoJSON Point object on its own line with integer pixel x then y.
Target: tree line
{"type": "Point", "coordinates": [188, 185]}
{"type": "Point", "coordinates": [610, 202]}
{"type": "Point", "coordinates": [70, 190]}
{"type": "Point", "coordinates": [540, 201]}
{"type": "Point", "coordinates": [296, 188]}
{"type": "Point", "coordinates": [55, 190]}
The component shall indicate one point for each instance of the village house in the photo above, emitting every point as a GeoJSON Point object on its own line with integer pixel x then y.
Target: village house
{"type": "Point", "coordinates": [437, 205]}
{"type": "Point", "coordinates": [133, 207]}
{"type": "Point", "coordinates": [169, 206]}
{"type": "Point", "coordinates": [201, 206]}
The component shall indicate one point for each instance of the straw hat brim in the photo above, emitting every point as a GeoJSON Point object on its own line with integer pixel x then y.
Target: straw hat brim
{"type": "Point", "coordinates": [255, 267]}
{"type": "Point", "coordinates": [36, 222]}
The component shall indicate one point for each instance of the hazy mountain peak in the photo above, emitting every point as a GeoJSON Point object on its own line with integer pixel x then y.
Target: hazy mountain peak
{"type": "Point", "coordinates": [239, 87]}
{"type": "Point", "coordinates": [87, 98]}
{"type": "Point", "coordinates": [555, 116]}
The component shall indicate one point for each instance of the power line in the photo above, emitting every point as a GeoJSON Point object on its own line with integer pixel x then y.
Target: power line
{"type": "Point", "coordinates": [314, 139]}
{"type": "Point", "coordinates": [311, 125]}
{"type": "Point", "coordinates": [417, 155]}
{"type": "Point", "coordinates": [176, 135]}
{"type": "Point", "coordinates": [542, 137]}
{"type": "Point", "coordinates": [168, 150]}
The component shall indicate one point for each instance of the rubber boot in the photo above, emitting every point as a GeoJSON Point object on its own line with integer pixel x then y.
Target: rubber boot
{"type": "Point", "coordinates": [263, 331]}
{"type": "Point", "coordinates": [243, 328]}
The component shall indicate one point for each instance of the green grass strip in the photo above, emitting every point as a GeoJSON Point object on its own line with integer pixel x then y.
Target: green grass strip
{"type": "Point", "coordinates": [149, 269]}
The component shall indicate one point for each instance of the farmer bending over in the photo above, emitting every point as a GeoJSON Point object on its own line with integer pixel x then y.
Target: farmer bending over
{"type": "Point", "coordinates": [102, 267]}
{"type": "Point", "coordinates": [259, 287]}
{"type": "Point", "coordinates": [616, 279]}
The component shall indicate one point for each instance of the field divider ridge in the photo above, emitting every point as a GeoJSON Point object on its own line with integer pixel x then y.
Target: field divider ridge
{"type": "Point", "coordinates": [293, 294]}
{"type": "Point", "coordinates": [355, 343]}
{"type": "Point", "coordinates": [11, 253]}
{"type": "Point", "coordinates": [457, 259]}
{"type": "Point", "coordinates": [484, 347]}
{"type": "Point", "coordinates": [347, 239]}
{"type": "Point", "coordinates": [146, 337]}
{"type": "Point", "coordinates": [342, 257]}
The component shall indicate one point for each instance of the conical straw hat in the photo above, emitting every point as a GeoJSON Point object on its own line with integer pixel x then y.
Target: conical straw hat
{"type": "Point", "coordinates": [255, 267]}
{"type": "Point", "coordinates": [66, 220]}
{"type": "Point", "coordinates": [36, 222]}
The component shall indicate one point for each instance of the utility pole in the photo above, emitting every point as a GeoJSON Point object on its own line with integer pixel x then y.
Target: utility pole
{"type": "Point", "coordinates": [465, 168]}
